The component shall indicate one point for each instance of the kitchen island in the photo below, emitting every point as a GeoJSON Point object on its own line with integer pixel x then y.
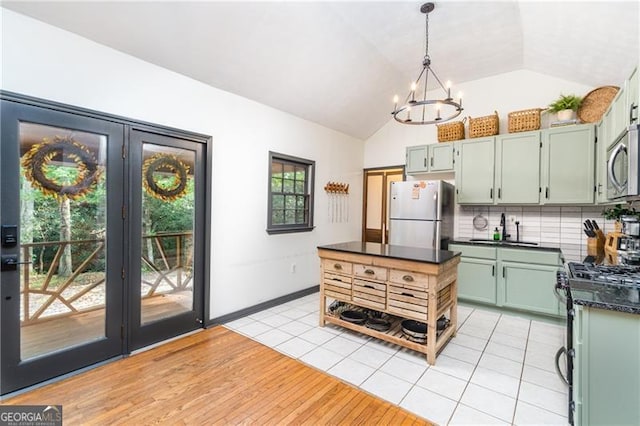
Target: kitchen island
{"type": "Point", "coordinates": [396, 281]}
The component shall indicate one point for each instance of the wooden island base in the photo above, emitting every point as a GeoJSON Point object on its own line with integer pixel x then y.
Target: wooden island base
{"type": "Point", "coordinates": [400, 283]}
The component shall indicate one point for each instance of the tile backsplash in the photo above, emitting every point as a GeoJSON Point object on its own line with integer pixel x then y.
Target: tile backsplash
{"type": "Point", "coordinates": [549, 226]}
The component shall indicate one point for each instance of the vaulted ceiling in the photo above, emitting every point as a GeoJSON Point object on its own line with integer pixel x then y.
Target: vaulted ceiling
{"type": "Point", "coordinates": [340, 63]}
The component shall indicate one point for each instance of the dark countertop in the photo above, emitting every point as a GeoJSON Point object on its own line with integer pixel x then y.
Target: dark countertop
{"type": "Point", "coordinates": [605, 296]}
{"type": "Point", "coordinates": [507, 244]}
{"type": "Point", "coordinates": [393, 251]}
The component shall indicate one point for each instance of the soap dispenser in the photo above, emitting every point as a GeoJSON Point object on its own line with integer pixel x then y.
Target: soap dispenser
{"type": "Point", "coordinates": [496, 234]}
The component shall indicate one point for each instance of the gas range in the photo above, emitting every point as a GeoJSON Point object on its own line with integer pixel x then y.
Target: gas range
{"type": "Point", "coordinates": [618, 276]}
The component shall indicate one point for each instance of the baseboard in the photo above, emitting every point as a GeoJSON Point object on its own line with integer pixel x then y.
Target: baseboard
{"type": "Point", "coordinates": [261, 306]}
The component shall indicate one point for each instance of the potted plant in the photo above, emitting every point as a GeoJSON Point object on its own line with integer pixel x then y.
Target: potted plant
{"type": "Point", "coordinates": [565, 106]}
{"type": "Point", "coordinates": [616, 212]}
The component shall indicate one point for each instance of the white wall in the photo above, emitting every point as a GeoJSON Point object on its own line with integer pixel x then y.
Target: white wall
{"type": "Point", "coordinates": [247, 266]}
{"type": "Point", "coordinates": [512, 91]}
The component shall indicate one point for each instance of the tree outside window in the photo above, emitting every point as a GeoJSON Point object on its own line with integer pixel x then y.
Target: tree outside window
{"type": "Point", "coordinates": [290, 194]}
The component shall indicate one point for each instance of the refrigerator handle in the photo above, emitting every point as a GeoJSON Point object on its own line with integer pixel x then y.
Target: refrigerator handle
{"type": "Point", "coordinates": [435, 243]}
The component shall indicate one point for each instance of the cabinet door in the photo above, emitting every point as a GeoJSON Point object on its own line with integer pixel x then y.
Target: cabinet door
{"type": "Point", "coordinates": [477, 280]}
{"type": "Point", "coordinates": [417, 157]}
{"type": "Point", "coordinates": [568, 165]}
{"type": "Point", "coordinates": [633, 97]}
{"type": "Point", "coordinates": [601, 162]}
{"type": "Point", "coordinates": [441, 157]}
{"type": "Point", "coordinates": [578, 361]}
{"type": "Point", "coordinates": [529, 287]}
{"type": "Point", "coordinates": [620, 117]}
{"type": "Point", "coordinates": [474, 181]}
{"type": "Point", "coordinates": [518, 168]}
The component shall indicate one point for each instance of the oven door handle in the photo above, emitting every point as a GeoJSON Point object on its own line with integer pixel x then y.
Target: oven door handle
{"type": "Point", "coordinates": [561, 351]}
{"type": "Point", "coordinates": [559, 295]}
{"type": "Point", "coordinates": [610, 172]}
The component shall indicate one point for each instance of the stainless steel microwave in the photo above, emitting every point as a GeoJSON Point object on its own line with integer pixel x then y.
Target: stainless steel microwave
{"type": "Point", "coordinates": [623, 176]}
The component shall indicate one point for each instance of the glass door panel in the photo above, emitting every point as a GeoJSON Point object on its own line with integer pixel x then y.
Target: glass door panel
{"type": "Point", "coordinates": [62, 238]}
{"type": "Point", "coordinates": [167, 232]}
{"type": "Point", "coordinates": [166, 262]}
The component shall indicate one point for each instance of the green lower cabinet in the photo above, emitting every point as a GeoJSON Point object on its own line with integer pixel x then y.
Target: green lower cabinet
{"type": "Point", "coordinates": [529, 287]}
{"type": "Point", "coordinates": [606, 367]}
{"type": "Point", "coordinates": [515, 278]}
{"type": "Point", "coordinates": [477, 280]}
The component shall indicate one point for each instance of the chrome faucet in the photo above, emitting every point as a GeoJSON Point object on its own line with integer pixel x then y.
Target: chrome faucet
{"type": "Point", "coordinates": [503, 224]}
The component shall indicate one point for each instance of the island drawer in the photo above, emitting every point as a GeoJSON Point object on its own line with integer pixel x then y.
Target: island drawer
{"type": "Point", "coordinates": [407, 302]}
{"type": "Point", "coordinates": [337, 286]}
{"type": "Point", "coordinates": [369, 293]}
{"type": "Point", "coordinates": [416, 280]}
{"type": "Point", "coordinates": [370, 272]}
{"type": "Point", "coordinates": [338, 266]}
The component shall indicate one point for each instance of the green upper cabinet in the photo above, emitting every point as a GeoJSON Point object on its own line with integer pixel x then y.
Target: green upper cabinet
{"type": "Point", "coordinates": [619, 113]}
{"type": "Point", "coordinates": [441, 157]}
{"type": "Point", "coordinates": [518, 168]}
{"type": "Point", "coordinates": [435, 157]}
{"type": "Point", "coordinates": [567, 175]}
{"type": "Point", "coordinates": [417, 159]}
{"type": "Point", "coordinates": [474, 171]}
{"type": "Point", "coordinates": [633, 97]}
{"type": "Point", "coordinates": [601, 161]}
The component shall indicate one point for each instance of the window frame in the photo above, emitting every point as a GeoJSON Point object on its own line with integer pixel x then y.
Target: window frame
{"type": "Point", "coordinates": [310, 166]}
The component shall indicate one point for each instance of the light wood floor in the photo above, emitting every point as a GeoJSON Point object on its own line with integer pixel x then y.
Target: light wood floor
{"type": "Point", "coordinates": [215, 377]}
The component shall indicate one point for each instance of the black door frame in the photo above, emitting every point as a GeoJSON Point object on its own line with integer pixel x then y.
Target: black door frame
{"type": "Point", "coordinates": [7, 196]}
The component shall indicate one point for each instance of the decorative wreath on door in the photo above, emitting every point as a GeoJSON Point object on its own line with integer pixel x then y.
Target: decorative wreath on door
{"type": "Point", "coordinates": [39, 157]}
{"type": "Point", "coordinates": [165, 163]}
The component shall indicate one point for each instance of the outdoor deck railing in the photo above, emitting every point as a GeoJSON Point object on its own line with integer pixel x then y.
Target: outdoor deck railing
{"type": "Point", "coordinates": [40, 290]}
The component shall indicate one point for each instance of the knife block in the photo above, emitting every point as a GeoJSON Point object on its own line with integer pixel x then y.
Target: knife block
{"type": "Point", "coordinates": [596, 245]}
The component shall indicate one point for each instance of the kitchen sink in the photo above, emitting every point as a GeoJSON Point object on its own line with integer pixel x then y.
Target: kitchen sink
{"type": "Point", "coordinates": [511, 242]}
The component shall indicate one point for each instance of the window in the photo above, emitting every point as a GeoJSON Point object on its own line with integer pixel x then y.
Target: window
{"type": "Point", "coordinates": [290, 194]}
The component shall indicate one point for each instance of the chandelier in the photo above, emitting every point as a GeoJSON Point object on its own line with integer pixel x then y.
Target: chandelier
{"type": "Point", "coordinates": [427, 111]}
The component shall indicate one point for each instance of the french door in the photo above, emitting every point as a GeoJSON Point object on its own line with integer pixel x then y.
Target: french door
{"type": "Point", "coordinates": [375, 209]}
{"type": "Point", "coordinates": [102, 241]}
{"type": "Point", "coordinates": [167, 197]}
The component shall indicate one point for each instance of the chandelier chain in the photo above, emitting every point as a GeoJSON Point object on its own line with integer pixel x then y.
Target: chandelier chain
{"type": "Point", "coordinates": [426, 31]}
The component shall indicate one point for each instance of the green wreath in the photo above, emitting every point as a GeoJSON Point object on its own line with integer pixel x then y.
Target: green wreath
{"type": "Point", "coordinates": [165, 163]}
{"type": "Point", "coordinates": [37, 159]}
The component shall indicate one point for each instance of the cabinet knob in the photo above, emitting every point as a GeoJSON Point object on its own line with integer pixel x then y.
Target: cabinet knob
{"type": "Point", "coordinates": [369, 271]}
{"type": "Point", "coordinates": [407, 278]}
{"type": "Point", "coordinates": [337, 266]}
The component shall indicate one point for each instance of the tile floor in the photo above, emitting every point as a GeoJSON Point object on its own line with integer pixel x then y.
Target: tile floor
{"type": "Point", "coordinates": [499, 369]}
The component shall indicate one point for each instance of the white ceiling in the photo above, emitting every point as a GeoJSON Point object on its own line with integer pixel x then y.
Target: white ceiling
{"type": "Point", "coordinates": [340, 63]}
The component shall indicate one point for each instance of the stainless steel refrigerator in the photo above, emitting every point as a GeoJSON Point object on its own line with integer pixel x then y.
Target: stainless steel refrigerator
{"type": "Point", "coordinates": [421, 214]}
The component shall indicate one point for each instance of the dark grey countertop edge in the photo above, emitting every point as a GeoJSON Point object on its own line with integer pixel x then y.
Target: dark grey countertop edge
{"type": "Point", "coordinates": [507, 245]}
{"type": "Point", "coordinates": [608, 306]}
{"type": "Point", "coordinates": [413, 254]}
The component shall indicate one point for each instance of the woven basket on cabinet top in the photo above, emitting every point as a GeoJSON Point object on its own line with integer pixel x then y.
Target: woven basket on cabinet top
{"type": "Point", "coordinates": [525, 120]}
{"type": "Point", "coordinates": [451, 131]}
{"type": "Point", "coordinates": [484, 126]}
